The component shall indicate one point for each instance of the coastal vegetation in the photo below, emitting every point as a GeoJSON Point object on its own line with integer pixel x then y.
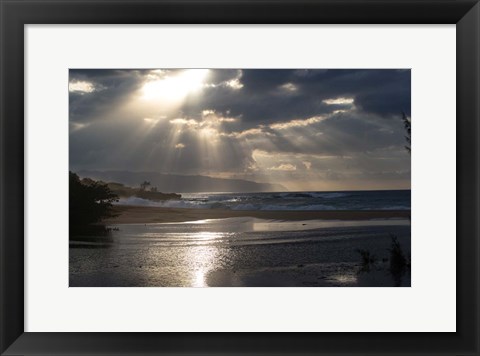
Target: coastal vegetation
{"type": "Point", "coordinates": [398, 261]}
{"type": "Point", "coordinates": [89, 202]}
{"type": "Point", "coordinates": [408, 130]}
{"type": "Point", "coordinates": [368, 260]}
{"type": "Point", "coordinates": [397, 266]}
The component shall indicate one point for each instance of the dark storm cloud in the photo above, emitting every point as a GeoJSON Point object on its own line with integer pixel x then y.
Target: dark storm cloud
{"type": "Point", "coordinates": [331, 124]}
{"type": "Point", "coordinates": [110, 87]}
{"type": "Point", "coordinates": [264, 81]}
{"type": "Point", "coordinates": [263, 100]}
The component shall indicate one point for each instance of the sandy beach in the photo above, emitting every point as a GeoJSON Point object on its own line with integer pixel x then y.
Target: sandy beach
{"type": "Point", "coordinates": [148, 215]}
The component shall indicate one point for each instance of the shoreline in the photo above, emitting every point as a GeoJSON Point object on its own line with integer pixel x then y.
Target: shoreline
{"type": "Point", "coordinates": [145, 214]}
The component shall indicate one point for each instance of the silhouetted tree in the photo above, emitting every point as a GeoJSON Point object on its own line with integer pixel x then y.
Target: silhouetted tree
{"type": "Point", "coordinates": [89, 202]}
{"type": "Point", "coordinates": [407, 122]}
{"type": "Point", "coordinates": [144, 185]}
{"type": "Point", "coordinates": [398, 261]}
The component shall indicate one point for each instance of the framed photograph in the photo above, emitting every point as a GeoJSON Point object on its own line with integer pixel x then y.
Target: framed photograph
{"type": "Point", "coordinates": [240, 178]}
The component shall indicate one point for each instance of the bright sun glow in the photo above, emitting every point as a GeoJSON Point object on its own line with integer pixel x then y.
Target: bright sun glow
{"type": "Point", "coordinates": [174, 87]}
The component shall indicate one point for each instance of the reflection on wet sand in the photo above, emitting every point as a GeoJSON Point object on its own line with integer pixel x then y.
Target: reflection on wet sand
{"type": "Point", "coordinates": [235, 252]}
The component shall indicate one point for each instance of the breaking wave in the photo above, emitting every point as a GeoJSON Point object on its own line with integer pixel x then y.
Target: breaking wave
{"type": "Point", "coordinates": [359, 200]}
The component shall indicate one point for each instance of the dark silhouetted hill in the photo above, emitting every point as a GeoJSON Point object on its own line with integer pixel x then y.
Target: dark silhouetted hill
{"type": "Point", "coordinates": [176, 183]}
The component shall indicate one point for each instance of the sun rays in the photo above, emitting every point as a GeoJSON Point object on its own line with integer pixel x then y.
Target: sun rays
{"type": "Point", "coordinates": [260, 125]}
{"type": "Point", "coordinates": [169, 88]}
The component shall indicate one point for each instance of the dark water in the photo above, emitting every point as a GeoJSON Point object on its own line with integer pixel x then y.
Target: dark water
{"type": "Point", "coordinates": [237, 252]}
{"type": "Point", "coordinates": [345, 200]}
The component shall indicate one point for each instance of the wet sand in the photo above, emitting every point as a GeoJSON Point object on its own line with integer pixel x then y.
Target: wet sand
{"type": "Point", "coordinates": [239, 252]}
{"type": "Point", "coordinates": [148, 215]}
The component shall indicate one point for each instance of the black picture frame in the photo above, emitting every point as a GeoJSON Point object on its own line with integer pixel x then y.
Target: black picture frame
{"type": "Point", "coordinates": [15, 14]}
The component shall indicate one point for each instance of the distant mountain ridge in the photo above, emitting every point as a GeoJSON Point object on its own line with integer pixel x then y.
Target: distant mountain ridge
{"type": "Point", "coordinates": [176, 183]}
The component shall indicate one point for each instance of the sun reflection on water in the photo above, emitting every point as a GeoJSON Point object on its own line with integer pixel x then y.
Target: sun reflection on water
{"type": "Point", "coordinates": [200, 260]}
{"type": "Point", "coordinates": [207, 235]}
{"type": "Point", "coordinates": [348, 279]}
{"type": "Point", "coordinates": [199, 280]}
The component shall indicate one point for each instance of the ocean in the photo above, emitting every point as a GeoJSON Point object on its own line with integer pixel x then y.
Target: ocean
{"type": "Point", "coordinates": [341, 200]}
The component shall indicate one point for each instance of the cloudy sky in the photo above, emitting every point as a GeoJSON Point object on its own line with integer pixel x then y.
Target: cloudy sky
{"type": "Point", "coordinates": [305, 129]}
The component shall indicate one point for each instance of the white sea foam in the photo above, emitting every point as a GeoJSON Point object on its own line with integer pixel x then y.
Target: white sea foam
{"type": "Point", "coordinates": [389, 200]}
{"type": "Point", "coordinates": [164, 204]}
